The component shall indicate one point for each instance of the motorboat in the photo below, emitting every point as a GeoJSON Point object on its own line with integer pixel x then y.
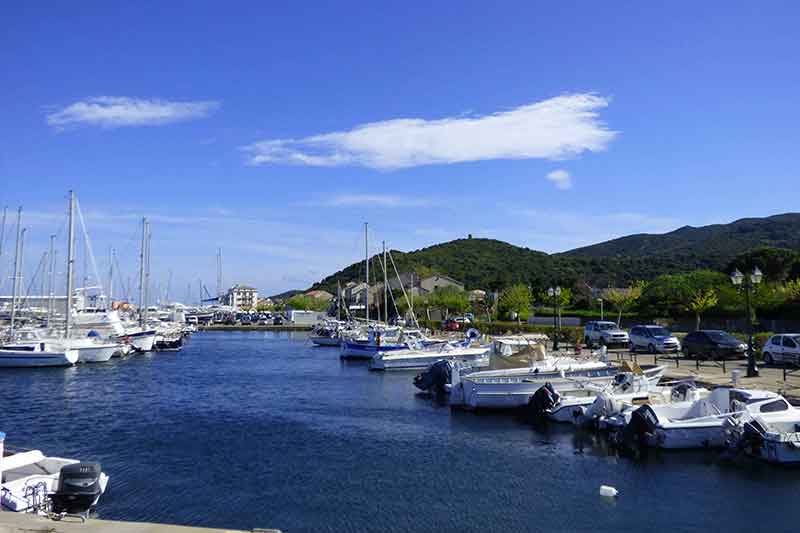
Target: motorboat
{"type": "Point", "coordinates": [769, 430]}
{"type": "Point", "coordinates": [328, 334]}
{"type": "Point", "coordinates": [585, 406]}
{"type": "Point", "coordinates": [91, 349]}
{"type": "Point", "coordinates": [508, 345]}
{"type": "Point", "coordinates": [32, 482]}
{"type": "Point", "coordinates": [510, 388]}
{"type": "Point", "coordinates": [109, 322]}
{"type": "Point", "coordinates": [698, 423]}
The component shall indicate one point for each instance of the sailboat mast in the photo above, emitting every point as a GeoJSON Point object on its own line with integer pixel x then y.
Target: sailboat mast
{"type": "Point", "coordinates": [3, 230]}
{"type": "Point", "coordinates": [70, 264]}
{"type": "Point", "coordinates": [142, 304]}
{"type": "Point", "coordinates": [111, 280]}
{"type": "Point", "coordinates": [51, 272]}
{"type": "Point", "coordinates": [366, 262]}
{"type": "Point", "coordinates": [338, 300]}
{"type": "Point", "coordinates": [17, 268]}
{"type": "Point", "coordinates": [385, 287]}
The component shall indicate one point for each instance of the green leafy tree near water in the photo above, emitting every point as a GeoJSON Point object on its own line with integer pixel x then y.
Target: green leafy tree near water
{"type": "Point", "coordinates": [702, 300]}
{"type": "Point", "coordinates": [515, 299]}
{"type": "Point", "coordinates": [623, 299]}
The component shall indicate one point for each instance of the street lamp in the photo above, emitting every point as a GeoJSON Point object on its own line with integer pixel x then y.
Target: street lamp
{"type": "Point", "coordinates": [554, 293]}
{"type": "Point", "coordinates": [602, 317]}
{"type": "Point", "coordinates": [747, 283]}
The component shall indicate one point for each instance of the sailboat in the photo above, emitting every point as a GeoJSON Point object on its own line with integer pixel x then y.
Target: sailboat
{"type": "Point", "coordinates": [40, 354]}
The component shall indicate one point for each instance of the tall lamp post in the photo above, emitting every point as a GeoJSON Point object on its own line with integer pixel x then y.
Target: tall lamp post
{"type": "Point", "coordinates": [602, 316]}
{"type": "Point", "coordinates": [554, 293]}
{"type": "Point", "coordinates": [748, 283]}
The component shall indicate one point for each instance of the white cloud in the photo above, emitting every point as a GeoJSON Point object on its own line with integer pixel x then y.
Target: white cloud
{"type": "Point", "coordinates": [561, 178]}
{"type": "Point", "coordinates": [116, 111]}
{"type": "Point", "coordinates": [556, 128]}
{"type": "Point", "coordinates": [374, 200]}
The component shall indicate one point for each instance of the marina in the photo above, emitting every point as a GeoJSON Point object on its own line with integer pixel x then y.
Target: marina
{"type": "Point", "coordinates": [272, 400]}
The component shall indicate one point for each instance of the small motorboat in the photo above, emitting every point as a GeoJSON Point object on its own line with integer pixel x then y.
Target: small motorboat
{"type": "Point", "coordinates": [513, 387]}
{"type": "Point", "coordinates": [34, 483]}
{"type": "Point", "coordinates": [769, 430]}
{"type": "Point", "coordinates": [696, 423]}
{"type": "Point", "coordinates": [587, 406]}
{"type": "Point", "coordinates": [467, 353]}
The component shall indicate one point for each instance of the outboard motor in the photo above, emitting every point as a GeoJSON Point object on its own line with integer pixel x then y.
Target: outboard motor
{"type": "Point", "coordinates": [78, 488]}
{"type": "Point", "coordinates": [544, 399]}
{"type": "Point", "coordinates": [643, 424]}
{"type": "Point", "coordinates": [435, 377]}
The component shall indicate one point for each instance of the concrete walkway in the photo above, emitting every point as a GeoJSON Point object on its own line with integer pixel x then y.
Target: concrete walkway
{"type": "Point", "coordinates": [712, 374]}
{"type": "Point", "coordinates": [28, 523]}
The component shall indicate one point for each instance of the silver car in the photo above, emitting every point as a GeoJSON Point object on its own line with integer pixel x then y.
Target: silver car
{"type": "Point", "coordinates": [654, 339]}
{"type": "Point", "coordinates": [782, 349]}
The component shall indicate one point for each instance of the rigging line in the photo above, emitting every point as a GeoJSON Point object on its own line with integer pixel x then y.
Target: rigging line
{"type": "Point", "coordinates": [24, 301]}
{"type": "Point", "coordinates": [391, 295]}
{"type": "Point", "coordinates": [88, 247]}
{"type": "Point", "coordinates": [410, 305]}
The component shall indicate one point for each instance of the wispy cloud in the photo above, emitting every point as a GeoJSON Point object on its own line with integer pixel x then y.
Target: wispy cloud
{"type": "Point", "coordinates": [556, 128]}
{"type": "Point", "coordinates": [371, 200]}
{"type": "Point", "coordinates": [561, 178]}
{"type": "Point", "coordinates": [117, 111]}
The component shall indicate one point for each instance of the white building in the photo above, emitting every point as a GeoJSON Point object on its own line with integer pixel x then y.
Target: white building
{"type": "Point", "coordinates": [242, 297]}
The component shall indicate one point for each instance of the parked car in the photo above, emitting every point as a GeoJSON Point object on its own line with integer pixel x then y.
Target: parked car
{"type": "Point", "coordinates": [654, 339]}
{"type": "Point", "coordinates": [278, 320]}
{"type": "Point", "coordinates": [712, 343]}
{"type": "Point", "coordinates": [605, 333]}
{"type": "Point", "coordinates": [782, 349]}
{"type": "Point", "coordinates": [462, 320]}
{"type": "Point", "coordinates": [451, 325]}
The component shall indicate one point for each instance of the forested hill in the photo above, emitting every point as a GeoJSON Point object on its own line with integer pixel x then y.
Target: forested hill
{"type": "Point", "coordinates": [484, 263]}
{"type": "Point", "coordinates": [721, 241]}
{"type": "Point", "coordinates": [492, 264]}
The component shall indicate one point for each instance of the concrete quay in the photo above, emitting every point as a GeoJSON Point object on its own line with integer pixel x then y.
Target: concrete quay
{"type": "Point", "coordinates": [783, 380]}
{"type": "Point", "coordinates": [30, 523]}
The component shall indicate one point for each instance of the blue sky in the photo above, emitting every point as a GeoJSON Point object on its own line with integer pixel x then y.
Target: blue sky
{"type": "Point", "coordinates": [274, 131]}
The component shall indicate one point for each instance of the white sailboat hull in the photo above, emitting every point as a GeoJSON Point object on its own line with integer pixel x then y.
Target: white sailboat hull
{"type": "Point", "coordinates": [34, 359]}
{"type": "Point", "coordinates": [420, 360]}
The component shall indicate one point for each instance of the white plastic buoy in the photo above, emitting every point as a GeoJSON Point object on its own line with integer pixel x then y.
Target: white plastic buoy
{"type": "Point", "coordinates": [608, 491]}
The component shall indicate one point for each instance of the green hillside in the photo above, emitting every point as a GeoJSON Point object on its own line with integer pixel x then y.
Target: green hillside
{"type": "Point", "coordinates": [492, 264]}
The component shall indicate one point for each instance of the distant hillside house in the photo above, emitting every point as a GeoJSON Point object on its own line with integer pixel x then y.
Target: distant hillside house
{"type": "Point", "coordinates": [241, 297]}
{"type": "Point", "coordinates": [416, 285]}
{"type": "Point", "coordinates": [432, 283]}
{"type": "Point", "coordinates": [265, 301]}
{"type": "Point", "coordinates": [320, 295]}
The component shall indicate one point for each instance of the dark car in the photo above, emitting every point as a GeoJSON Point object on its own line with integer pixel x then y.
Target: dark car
{"type": "Point", "coordinates": [713, 344]}
{"type": "Point", "coordinates": [277, 321]}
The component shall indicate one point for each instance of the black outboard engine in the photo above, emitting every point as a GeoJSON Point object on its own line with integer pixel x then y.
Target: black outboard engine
{"type": "Point", "coordinates": [435, 377]}
{"type": "Point", "coordinates": [643, 424]}
{"type": "Point", "coordinates": [543, 399]}
{"type": "Point", "coordinates": [78, 488]}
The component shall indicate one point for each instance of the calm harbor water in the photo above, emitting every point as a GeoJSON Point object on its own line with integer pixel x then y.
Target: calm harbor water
{"type": "Point", "coordinates": [260, 429]}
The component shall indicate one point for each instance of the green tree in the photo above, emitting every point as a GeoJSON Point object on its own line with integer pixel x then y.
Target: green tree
{"type": "Point", "coordinates": [702, 300]}
{"type": "Point", "coordinates": [624, 299]}
{"type": "Point", "coordinates": [307, 303]}
{"type": "Point", "coordinates": [515, 299]}
{"type": "Point", "coordinates": [448, 299]}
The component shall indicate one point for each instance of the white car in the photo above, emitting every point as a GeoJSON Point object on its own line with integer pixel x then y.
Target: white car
{"type": "Point", "coordinates": [605, 333]}
{"type": "Point", "coordinates": [654, 339]}
{"type": "Point", "coordinates": [782, 349]}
